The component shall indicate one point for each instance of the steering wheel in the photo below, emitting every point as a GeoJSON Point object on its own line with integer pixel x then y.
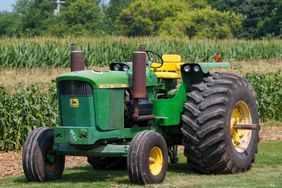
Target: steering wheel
{"type": "Point", "coordinates": [154, 58]}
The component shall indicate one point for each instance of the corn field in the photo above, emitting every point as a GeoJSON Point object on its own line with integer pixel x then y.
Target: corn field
{"type": "Point", "coordinates": [268, 88]}
{"type": "Point", "coordinates": [28, 108]}
{"type": "Point", "coordinates": [54, 52]}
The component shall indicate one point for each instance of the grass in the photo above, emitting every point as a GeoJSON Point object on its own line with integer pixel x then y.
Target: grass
{"type": "Point", "coordinates": [266, 172]}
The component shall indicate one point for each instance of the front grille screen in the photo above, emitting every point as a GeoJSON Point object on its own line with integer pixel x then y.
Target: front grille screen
{"type": "Point", "coordinates": [74, 88]}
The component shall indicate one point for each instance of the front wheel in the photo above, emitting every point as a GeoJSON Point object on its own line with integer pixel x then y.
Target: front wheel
{"type": "Point", "coordinates": [220, 125]}
{"type": "Point", "coordinates": [40, 163]}
{"type": "Point", "coordinates": [147, 158]}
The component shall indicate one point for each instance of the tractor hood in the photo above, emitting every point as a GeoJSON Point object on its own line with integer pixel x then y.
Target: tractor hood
{"type": "Point", "coordinates": [106, 79]}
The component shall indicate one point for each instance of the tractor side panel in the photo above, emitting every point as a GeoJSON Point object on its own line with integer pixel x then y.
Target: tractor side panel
{"type": "Point", "coordinates": [109, 108]}
{"type": "Point", "coordinates": [168, 111]}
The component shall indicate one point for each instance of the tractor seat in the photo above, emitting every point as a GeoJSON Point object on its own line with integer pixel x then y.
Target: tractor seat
{"type": "Point", "coordinates": [171, 67]}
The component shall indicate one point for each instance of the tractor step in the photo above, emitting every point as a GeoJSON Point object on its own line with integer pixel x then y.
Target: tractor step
{"type": "Point", "coordinates": [109, 150]}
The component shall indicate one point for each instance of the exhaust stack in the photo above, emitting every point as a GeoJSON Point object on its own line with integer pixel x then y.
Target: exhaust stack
{"type": "Point", "coordinates": [139, 84]}
{"type": "Point", "coordinates": [77, 59]}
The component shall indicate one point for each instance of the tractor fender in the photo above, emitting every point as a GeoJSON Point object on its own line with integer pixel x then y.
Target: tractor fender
{"type": "Point", "coordinates": [192, 73]}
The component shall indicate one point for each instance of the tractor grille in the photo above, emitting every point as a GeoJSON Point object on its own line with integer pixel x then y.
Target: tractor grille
{"type": "Point", "coordinates": [74, 88]}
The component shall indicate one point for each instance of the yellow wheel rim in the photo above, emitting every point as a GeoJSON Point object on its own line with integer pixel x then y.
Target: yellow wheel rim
{"type": "Point", "coordinates": [155, 160]}
{"type": "Point", "coordinates": [240, 138]}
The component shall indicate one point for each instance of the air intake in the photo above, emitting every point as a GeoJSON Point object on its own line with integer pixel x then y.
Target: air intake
{"type": "Point", "coordinates": [74, 88]}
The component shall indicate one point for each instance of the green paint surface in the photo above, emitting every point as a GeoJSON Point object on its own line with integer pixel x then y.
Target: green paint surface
{"type": "Point", "coordinates": [109, 108]}
{"type": "Point", "coordinates": [89, 136]}
{"type": "Point", "coordinates": [83, 115]}
{"type": "Point", "coordinates": [168, 111]}
{"type": "Point", "coordinates": [96, 79]}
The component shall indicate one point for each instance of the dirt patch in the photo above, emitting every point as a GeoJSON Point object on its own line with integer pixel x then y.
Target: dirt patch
{"type": "Point", "coordinates": [271, 133]}
{"type": "Point", "coordinates": [11, 162]}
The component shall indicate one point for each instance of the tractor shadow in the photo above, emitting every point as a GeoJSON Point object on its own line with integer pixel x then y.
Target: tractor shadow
{"type": "Point", "coordinates": [87, 175]}
{"type": "Point", "coordinates": [181, 168]}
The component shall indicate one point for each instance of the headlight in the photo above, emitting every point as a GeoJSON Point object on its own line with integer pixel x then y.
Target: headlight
{"type": "Point", "coordinates": [116, 67]}
{"type": "Point", "coordinates": [186, 68]}
{"type": "Point", "coordinates": [196, 68]}
{"type": "Point", "coordinates": [125, 68]}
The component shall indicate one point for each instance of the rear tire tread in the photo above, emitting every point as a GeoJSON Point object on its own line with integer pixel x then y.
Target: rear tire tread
{"type": "Point", "coordinates": [204, 136]}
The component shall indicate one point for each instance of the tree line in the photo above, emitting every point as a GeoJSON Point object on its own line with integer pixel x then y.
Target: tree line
{"type": "Point", "coordinates": [213, 19]}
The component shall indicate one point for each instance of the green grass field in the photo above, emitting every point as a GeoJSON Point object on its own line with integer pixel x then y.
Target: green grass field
{"type": "Point", "coordinates": [266, 172]}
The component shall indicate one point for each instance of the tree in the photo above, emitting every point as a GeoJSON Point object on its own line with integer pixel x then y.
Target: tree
{"type": "Point", "coordinates": [34, 15]}
{"type": "Point", "coordinates": [112, 11]}
{"type": "Point", "coordinates": [261, 17]}
{"type": "Point", "coordinates": [257, 15]}
{"type": "Point", "coordinates": [202, 23]}
{"type": "Point", "coordinates": [276, 17]}
{"type": "Point", "coordinates": [179, 18]}
{"type": "Point", "coordinates": [81, 17]}
{"type": "Point", "coordinates": [144, 17]}
{"type": "Point", "coordinates": [8, 24]}
{"type": "Point", "coordinates": [115, 7]}
{"type": "Point", "coordinates": [236, 6]}
{"type": "Point", "coordinates": [78, 17]}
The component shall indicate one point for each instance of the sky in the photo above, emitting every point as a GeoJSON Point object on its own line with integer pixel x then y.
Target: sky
{"type": "Point", "coordinates": [7, 5]}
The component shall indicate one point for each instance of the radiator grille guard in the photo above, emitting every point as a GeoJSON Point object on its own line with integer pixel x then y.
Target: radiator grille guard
{"type": "Point", "coordinates": [74, 88]}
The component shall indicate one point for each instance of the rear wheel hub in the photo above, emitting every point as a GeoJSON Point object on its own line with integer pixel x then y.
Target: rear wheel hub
{"type": "Point", "coordinates": [240, 138]}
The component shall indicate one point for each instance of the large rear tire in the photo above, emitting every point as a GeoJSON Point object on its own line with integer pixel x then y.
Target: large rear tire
{"type": "Point", "coordinates": [40, 163]}
{"type": "Point", "coordinates": [214, 106]}
{"type": "Point", "coordinates": [147, 158]}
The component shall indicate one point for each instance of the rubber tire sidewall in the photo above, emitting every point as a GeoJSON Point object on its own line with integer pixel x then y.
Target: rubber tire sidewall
{"type": "Point", "coordinates": [242, 160]}
{"type": "Point", "coordinates": [43, 141]}
{"type": "Point", "coordinates": [138, 158]}
{"type": "Point", "coordinates": [155, 141]}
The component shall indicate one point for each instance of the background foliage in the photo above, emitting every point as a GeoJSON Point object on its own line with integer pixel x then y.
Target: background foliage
{"type": "Point", "coordinates": [200, 19]}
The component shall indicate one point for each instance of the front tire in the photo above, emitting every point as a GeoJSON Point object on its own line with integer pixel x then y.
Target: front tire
{"type": "Point", "coordinates": [147, 158]}
{"type": "Point", "coordinates": [214, 106]}
{"type": "Point", "coordinates": [40, 163]}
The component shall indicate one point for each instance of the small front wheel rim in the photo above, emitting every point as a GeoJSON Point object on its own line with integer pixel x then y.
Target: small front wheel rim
{"type": "Point", "coordinates": [155, 160]}
{"type": "Point", "coordinates": [240, 138]}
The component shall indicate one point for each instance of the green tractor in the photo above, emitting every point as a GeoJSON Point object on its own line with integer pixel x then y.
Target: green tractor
{"type": "Point", "coordinates": [136, 114]}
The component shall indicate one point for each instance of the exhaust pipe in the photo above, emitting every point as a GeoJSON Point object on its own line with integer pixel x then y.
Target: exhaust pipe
{"type": "Point", "coordinates": [139, 75]}
{"type": "Point", "coordinates": [77, 59]}
{"type": "Point", "coordinates": [139, 84]}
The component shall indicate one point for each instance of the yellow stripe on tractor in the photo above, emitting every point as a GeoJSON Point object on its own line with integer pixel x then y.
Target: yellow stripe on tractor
{"type": "Point", "coordinates": [171, 67]}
